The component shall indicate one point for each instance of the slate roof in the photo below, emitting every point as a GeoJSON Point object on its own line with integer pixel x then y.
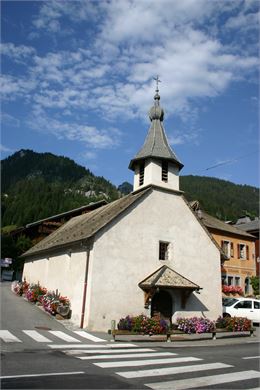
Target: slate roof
{"type": "Point", "coordinates": [168, 278]}
{"type": "Point", "coordinates": [156, 144]}
{"type": "Point", "coordinates": [85, 226]}
{"type": "Point", "coordinates": [214, 223]}
{"type": "Point", "coordinates": [252, 226]}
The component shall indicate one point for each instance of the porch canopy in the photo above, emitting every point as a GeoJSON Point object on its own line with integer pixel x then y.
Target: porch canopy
{"type": "Point", "coordinates": [167, 278]}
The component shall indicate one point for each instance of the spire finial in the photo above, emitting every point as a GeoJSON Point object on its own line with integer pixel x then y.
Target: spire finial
{"type": "Point", "coordinates": [157, 96]}
{"type": "Point", "coordinates": [157, 83]}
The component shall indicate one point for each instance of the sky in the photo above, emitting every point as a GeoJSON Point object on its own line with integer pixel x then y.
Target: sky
{"type": "Point", "coordinates": [77, 80]}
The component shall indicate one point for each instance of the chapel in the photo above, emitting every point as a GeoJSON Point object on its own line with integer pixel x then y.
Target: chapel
{"type": "Point", "coordinates": [145, 253]}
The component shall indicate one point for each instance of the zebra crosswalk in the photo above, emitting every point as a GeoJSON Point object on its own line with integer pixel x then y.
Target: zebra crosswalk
{"type": "Point", "coordinates": [49, 336]}
{"type": "Point", "coordinates": [130, 363]}
{"type": "Point", "coordinates": [155, 368]}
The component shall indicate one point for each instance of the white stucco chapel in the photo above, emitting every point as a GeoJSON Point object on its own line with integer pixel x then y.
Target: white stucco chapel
{"type": "Point", "coordinates": [146, 252]}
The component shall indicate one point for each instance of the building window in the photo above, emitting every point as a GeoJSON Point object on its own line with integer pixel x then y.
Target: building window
{"type": "Point", "coordinates": [247, 285]}
{"type": "Point", "coordinates": [165, 171]}
{"type": "Point", "coordinates": [141, 174]}
{"type": "Point", "coordinates": [231, 249]}
{"type": "Point", "coordinates": [237, 281]}
{"type": "Point", "coordinates": [242, 251]}
{"type": "Point", "coordinates": [230, 281]}
{"type": "Point", "coordinates": [226, 247]}
{"type": "Point", "coordinates": [164, 250]}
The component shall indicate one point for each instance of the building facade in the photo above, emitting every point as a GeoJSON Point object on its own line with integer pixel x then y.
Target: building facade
{"type": "Point", "coordinates": [238, 246]}
{"type": "Point", "coordinates": [147, 252]}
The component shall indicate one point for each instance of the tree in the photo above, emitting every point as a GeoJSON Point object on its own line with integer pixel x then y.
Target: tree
{"type": "Point", "coordinates": [254, 281]}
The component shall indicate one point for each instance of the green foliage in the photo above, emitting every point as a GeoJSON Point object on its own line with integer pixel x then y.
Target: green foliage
{"type": "Point", "coordinates": [254, 281]}
{"type": "Point", "coordinates": [38, 185]}
{"type": "Point", "coordinates": [221, 198]}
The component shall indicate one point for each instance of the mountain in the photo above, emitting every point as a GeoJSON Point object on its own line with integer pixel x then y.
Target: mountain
{"type": "Point", "coordinates": [38, 185]}
{"type": "Point", "coordinates": [220, 198]}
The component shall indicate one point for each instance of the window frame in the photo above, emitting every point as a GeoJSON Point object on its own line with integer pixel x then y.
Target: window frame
{"type": "Point", "coordinates": [164, 250]}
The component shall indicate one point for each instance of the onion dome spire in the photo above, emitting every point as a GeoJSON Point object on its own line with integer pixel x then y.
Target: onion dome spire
{"type": "Point", "coordinates": [156, 144]}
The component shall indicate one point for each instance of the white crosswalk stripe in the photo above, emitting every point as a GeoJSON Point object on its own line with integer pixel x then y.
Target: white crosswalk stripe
{"type": "Point", "coordinates": [172, 370]}
{"type": "Point", "coordinates": [191, 383]}
{"type": "Point", "coordinates": [147, 362]}
{"type": "Point", "coordinates": [129, 351]}
{"type": "Point", "coordinates": [8, 337]}
{"type": "Point", "coordinates": [64, 336]}
{"type": "Point", "coordinates": [37, 336]}
{"type": "Point", "coordinates": [251, 357]}
{"type": "Point", "coordinates": [126, 355]}
{"type": "Point", "coordinates": [69, 346]}
{"type": "Point", "coordinates": [88, 336]}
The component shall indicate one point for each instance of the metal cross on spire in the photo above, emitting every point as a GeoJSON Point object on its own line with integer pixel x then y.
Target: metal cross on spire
{"type": "Point", "coordinates": [157, 82]}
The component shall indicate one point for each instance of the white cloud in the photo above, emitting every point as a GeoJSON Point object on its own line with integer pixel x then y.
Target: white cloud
{"type": "Point", "coordinates": [90, 135]}
{"type": "Point", "coordinates": [129, 42]}
{"type": "Point", "coordinates": [5, 149]}
{"type": "Point", "coordinates": [19, 53]}
{"type": "Point", "coordinates": [9, 120]}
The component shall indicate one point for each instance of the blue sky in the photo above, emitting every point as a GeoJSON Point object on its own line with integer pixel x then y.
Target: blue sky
{"type": "Point", "coordinates": [77, 80]}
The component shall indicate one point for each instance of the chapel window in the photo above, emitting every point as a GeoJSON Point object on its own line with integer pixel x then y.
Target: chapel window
{"type": "Point", "coordinates": [165, 171]}
{"type": "Point", "coordinates": [164, 250]}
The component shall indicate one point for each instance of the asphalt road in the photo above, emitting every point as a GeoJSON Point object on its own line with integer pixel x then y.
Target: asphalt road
{"type": "Point", "coordinates": [29, 362]}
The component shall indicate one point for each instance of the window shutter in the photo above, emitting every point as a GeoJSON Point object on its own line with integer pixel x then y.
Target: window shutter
{"type": "Point", "coordinates": [222, 244]}
{"type": "Point", "coordinates": [232, 249]}
{"type": "Point", "coordinates": [247, 252]}
{"type": "Point", "coordinates": [238, 251]}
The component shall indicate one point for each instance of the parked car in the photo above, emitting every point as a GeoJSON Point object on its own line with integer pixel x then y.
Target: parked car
{"type": "Point", "coordinates": [243, 307]}
{"type": "Point", "coordinates": [228, 301]}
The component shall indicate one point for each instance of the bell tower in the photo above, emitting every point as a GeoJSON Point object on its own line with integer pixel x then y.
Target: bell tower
{"type": "Point", "coordinates": [156, 163]}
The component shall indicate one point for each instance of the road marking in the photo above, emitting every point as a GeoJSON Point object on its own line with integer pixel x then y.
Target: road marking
{"type": "Point", "coordinates": [62, 346]}
{"type": "Point", "coordinates": [48, 374]}
{"type": "Point", "coordinates": [37, 336]}
{"type": "Point", "coordinates": [251, 357]}
{"type": "Point", "coordinates": [126, 355]}
{"type": "Point", "coordinates": [148, 362]}
{"type": "Point", "coordinates": [110, 351]}
{"type": "Point", "coordinates": [8, 337]}
{"type": "Point", "coordinates": [88, 336]}
{"type": "Point", "coordinates": [64, 336]}
{"type": "Point", "coordinates": [172, 370]}
{"type": "Point", "coordinates": [204, 381]}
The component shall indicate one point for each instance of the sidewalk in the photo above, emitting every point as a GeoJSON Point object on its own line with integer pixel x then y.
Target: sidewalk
{"type": "Point", "coordinates": [194, 340]}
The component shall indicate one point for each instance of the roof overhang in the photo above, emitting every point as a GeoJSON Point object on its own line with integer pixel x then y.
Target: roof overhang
{"type": "Point", "coordinates": [167, 278]}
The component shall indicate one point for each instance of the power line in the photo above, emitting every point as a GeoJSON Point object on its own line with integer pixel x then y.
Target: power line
{"type": "Point", "coordinates": [231, 161]}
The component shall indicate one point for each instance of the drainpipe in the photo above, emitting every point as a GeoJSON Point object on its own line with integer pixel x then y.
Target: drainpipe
{"type": "Point", "coordinates": [84, 290]}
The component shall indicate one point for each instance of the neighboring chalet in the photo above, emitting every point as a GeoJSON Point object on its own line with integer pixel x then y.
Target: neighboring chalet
{"type": "Point", "coordinates": [147, 252]}
{"type": "Point", "coordinates": [252, 227]}
{"type": "Point", "coordinates": [38, 230]}
{"type": "Point", "coordinates": [239, 247]}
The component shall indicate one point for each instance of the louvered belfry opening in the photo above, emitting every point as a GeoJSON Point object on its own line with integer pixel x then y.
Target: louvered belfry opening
{"type": "Point", "coordinates": [165, 171]}
{"type": "Point", "coordinates": [141, 174]}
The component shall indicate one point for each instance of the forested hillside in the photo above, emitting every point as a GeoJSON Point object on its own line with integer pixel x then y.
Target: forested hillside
{"type": "Point", "coordinates": [221, 198]}
{"type": "Point", "coordinates": [38, 185]}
